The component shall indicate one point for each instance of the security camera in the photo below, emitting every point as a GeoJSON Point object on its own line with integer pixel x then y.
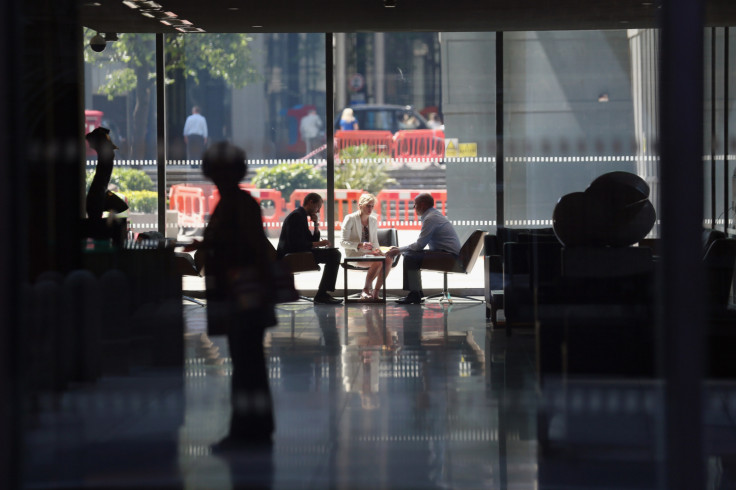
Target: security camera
{"type": "Point", "coordinates": [97, 43]}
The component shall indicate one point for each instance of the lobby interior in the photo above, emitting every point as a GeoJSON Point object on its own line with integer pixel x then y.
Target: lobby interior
{"type": "Point", "coordinates": [365, 395]}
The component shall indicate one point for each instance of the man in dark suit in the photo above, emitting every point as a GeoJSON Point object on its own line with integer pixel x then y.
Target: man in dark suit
{"type": "Point", "coordinates": [296, 237]}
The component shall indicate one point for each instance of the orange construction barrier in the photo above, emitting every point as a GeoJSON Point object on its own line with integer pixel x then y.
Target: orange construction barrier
{"type": "Point", "coordinates": [271, 201]}
{"type": "Point", "coordinates": [380, 141]}
{"type": "Point", "coordinates": [396, 207]}
{"type": "Point", "coordinates": [190, 202]}
{"type": "Point", "coordinates": [272, 204]}
{"type": "Point", "coordinates": [346, 201]}
{"type": "Point", "coordinates": [419, 143]}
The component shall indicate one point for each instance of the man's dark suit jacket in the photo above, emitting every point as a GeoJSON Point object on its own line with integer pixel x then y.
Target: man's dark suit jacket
{"type": "Point", "coordinates": [295, 234]}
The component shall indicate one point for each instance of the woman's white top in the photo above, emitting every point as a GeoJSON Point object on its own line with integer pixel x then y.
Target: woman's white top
{"type": "Point", "coordinates": [352, 230]}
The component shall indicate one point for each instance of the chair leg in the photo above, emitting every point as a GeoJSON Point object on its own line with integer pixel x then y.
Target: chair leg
{"type": "Point", "coordinates": [468, 298]}
{"type": "Point", "coordinates": [195, 301]}
{"type": "Point", "coordinates": [445, 294]}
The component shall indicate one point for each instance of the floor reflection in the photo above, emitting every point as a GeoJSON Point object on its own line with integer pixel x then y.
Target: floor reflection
{"type": "Point", "coordinates": [369, 396]}
{"type": "Point", "coordinates": [366, 396]}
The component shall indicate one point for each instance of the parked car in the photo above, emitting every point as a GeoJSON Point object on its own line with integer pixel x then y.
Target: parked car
{"type": "Point", "coordinates": [386, 117]}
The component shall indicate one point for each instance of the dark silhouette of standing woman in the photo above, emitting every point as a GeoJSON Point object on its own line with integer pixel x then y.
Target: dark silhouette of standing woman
{"type": "Point", "coordinates": [239, 278]}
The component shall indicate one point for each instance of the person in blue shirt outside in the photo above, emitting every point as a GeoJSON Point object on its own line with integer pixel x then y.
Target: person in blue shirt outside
{"type": "Point", "coordinates": [195, 134]}
{"type": "Point", "coordinates": [438, 233]}
{"type": "Point", "coordinates": [348, 121]}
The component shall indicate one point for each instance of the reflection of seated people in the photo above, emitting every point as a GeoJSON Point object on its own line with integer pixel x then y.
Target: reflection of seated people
{"type": "Point", "coordinates": [361, 358]}
{"type": "Point", "coordinates": [437, 233]}
{"type": "Point", "coordinates": [296, 237]}
{"type": "Point", "coordinates": [328, 325]}
{"type": "Point", "coordinates": [360, 237]}
{"type": "Point", "coordinates": [361, 374]}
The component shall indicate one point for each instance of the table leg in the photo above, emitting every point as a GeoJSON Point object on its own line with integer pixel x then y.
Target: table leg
{"type": "Point", "coordinates": [383, 272]}
{"type": "Point", "coordinates": [345, 285]}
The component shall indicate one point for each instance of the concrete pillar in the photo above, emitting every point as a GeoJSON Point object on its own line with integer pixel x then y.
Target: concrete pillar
{"type": "Point", "coordinates": [379, 67]}
{"type": "Point", "coordinates": [644, 51]}
{"type": "Point", "coordinates": [340, 80]}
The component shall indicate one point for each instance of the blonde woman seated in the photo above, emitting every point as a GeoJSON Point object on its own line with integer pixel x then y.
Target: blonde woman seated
{"type": "Point", "coordinates": [360, 237]}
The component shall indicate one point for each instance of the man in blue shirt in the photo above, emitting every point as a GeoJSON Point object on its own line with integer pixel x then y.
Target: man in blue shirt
{"type": "Point", "coordinates": [437, 233]}
{"type": "Point", "coordinates": [195, 134]}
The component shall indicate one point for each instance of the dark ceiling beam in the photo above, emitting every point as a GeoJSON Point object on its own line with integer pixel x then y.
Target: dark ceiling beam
{"type": "Point", "coordinates": [415, 15]}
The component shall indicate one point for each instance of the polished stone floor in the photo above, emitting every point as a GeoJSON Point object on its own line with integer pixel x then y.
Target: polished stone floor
{"type": "Point", "coordinates": [367, 396]}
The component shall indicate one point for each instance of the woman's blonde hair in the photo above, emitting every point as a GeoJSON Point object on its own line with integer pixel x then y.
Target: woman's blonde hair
{"type": "Point", "coordinates": [366, 198]}
{"type": "Point", "coordinates": [347, 115]}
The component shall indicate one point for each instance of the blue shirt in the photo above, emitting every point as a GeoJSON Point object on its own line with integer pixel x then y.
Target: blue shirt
{"type": "Point", "coordinates": [437, 232]}
{"type": "Point", "coordinates": [196, 124]}
{"type": "Point", "coordinates": [347, 126]}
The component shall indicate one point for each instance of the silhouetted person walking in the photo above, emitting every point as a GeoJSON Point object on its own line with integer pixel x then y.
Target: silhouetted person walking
{"type": "Point", "coordinates": [239, 279]}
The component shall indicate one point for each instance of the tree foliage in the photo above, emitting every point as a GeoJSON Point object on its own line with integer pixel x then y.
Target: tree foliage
{"type": "Point", "coordinates": [141, 201]}
{"type": "Point", "coordinates": [286, 177]}
{"type": "Point", "coordinates": [226, 56]}
{"type": "Point", "coordinates": [131, 68]}
{"type": "Point", "coordinates": [362, 168]}
{"type": "Point", "coordinates": [126, 179]}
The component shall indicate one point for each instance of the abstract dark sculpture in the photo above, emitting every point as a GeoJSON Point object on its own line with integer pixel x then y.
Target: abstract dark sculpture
{"type": "Point", "coordinates": [614, 211]}
{"type": "Point", "coordinates": [99, 198]}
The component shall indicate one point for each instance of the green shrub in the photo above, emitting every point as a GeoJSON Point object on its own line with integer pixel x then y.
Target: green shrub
{"type": "Point", "coordinates": [126, 179]}
{"type": "Point", "coordinates": [141, 201]}
{"type": "Point", "coordinates": [360, 152]}
{"type": "Point", "coordinates": [362, 168]}
{"type": "Point", "coordinates": [286, 177]}
{"type": "Point", "coordinates": [131, 179]}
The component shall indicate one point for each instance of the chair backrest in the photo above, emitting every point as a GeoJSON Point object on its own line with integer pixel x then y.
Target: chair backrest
{"type": "Point", "coordinates": [389, 237]}
{"type": "Point", "coordinates": [296, 262]}
{"type": "Point", "coordinates": [709, 236]}
{"type": "Point", "coordinates": [471, 250]}
{"type": "Point", "coordinates": [185, 264]}
{"type": "Point", "coordinates": [271, 250]}
{"type": "Point", "coordinates": [720, 260]}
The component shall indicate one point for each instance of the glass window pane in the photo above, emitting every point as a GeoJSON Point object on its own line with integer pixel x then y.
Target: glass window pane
{"type": "Point", "coordinates": [393, 83]}
{"type": "Point", "coordinates": [718, 201]}
{"type": "Point", "coordinates": [265, 94]}
{"type": "Point", "coordinates": [120, 94]}
{"type": "Point", "coordinates": [570, 116]}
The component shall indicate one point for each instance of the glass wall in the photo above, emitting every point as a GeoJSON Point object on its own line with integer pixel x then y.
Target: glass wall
{"type": "Point", "coordinates": [393, 84]}
{"type": "Point", "coordinates": [569, 116]}
{"type": "Point", "coordinates": [256, 98]}
{"type": "Point", "coordinates": [576, 105]}
{"type": "Point", "coordinates": [719, 86]}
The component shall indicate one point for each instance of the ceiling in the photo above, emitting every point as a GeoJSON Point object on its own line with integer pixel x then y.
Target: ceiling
{"type": "Point", "coordinates": [371, 15]}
